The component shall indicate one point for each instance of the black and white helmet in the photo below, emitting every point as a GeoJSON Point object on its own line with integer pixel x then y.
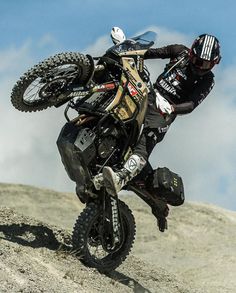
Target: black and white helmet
{"type": "Point", "coordinates": [205, 52]}
{"type": "Point", "coordinates": [117, 35]}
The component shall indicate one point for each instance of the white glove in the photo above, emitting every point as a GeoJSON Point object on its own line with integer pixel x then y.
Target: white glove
{"type": "Point", "coordinates": [163, 105]}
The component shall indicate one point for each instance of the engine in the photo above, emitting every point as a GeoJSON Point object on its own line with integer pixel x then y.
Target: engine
{"type": "Point", "coordinates": [106, 146]}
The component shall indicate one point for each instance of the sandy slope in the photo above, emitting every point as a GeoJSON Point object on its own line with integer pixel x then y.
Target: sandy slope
{"type": "Point", "coordinates": [200, 245]}
{"type": "Point", "coordinates": [36, 257]}
{"type": "Point", "coordinates": [196, 254]}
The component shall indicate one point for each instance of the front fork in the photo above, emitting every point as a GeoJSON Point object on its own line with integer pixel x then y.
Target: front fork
{"type": "Point", "coordinates": [112, 223]}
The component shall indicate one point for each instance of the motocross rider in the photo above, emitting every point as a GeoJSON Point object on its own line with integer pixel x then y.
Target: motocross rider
{"type": "Point", "coordinates": [185, 82]}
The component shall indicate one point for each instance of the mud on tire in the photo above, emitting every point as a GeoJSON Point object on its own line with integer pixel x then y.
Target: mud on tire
{"type": "Point", "coordinates": [81, 238]}
{"type": "Point", "coordinates": [85, 69]}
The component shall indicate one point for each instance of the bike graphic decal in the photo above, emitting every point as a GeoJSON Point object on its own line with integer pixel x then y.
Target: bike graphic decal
{"type": "Point", "coordinates": [105, 87]}
{"type": "Point", "coordinates": [132, 90]}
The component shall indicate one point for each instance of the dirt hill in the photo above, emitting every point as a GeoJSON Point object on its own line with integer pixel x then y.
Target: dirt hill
{"type": "Point", "coordinates": [196, 254]}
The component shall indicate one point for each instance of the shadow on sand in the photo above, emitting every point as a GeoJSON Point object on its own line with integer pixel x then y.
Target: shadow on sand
{"type": "Point", "coordinates": [30, 235]}
{"type": "Point", "coordinates": [37, 236]}
{"type": "Point", "coordinates": [127, 281]}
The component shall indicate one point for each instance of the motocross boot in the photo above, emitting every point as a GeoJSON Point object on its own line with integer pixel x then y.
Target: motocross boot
{"type": "Point", "coordinates": [114, 181]}
{"type": "Point", "coordinates": [98, 181]}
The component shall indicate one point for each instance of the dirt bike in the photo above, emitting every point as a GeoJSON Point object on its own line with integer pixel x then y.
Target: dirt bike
{"type": "Point", "coordinates": [109, 95]}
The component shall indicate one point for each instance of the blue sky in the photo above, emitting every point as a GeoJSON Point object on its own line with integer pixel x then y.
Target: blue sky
{"type": "Point", "coordinates": [200, 146]}
{"type": "Point", "coordinates": [76, 24]}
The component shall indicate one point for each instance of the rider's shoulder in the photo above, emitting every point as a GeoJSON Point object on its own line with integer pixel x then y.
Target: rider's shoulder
{"type": "Point", "coordinates": [178, 48]}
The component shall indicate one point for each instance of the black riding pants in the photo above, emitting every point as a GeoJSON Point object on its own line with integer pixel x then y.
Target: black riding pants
{"type": "Point", "coordinates": [155, 128]}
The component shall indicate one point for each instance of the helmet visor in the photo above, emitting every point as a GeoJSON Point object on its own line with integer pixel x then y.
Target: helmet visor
{"type": "Point", "coordinates": [202, 64]}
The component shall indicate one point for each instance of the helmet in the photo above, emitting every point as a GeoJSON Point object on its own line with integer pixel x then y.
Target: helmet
{"type": "Point", "coordinates": [117, 35]}
{"type": "Point", "coordinates": [204, 53]}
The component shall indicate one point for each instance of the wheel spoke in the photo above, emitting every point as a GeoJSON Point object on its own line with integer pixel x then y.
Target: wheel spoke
{"type": "Point", "coordinates": [30, 97]}
{"type": "Point", "coordinates": [31, 88]}
{"type": "Point", "coordinates": [32, 92]}
{"type": "Point", "coordinates": [98, 252]}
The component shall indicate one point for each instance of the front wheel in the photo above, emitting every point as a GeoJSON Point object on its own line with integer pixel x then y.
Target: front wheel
{"type": "Point", "coordinates": [44, 85]}
{"type": "Point", "coordinates": [88, 243]}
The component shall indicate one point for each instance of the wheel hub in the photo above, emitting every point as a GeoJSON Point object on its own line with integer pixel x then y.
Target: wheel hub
{"type": "Point", "coordinates": [53, 88]}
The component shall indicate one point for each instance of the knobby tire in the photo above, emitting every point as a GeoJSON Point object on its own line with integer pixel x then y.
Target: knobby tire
{"type": "Point", "coordinates": [80, 237]}
{"type": "Point", "coordinates": [17, 97]}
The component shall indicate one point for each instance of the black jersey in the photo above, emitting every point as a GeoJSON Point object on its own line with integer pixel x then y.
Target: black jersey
{"type": "Point", "coordinates": [178, 83]}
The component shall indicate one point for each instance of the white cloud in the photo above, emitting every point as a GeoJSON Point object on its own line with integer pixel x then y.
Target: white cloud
{"type": "Point", "coordinates": [166, 37]}
{"type": "Point", "coordinates": [99, 46]}
{"type": "Point", "coordinates": [46, 41]}
{"type": "Point", "coordinates": [14, 58]}
{"type": "Point", "coordinates": [199, 146]}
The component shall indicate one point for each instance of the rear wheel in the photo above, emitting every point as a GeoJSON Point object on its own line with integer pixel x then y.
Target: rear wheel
{"type": "Point", "coordinates": [44, 85]}
{"type": "Point", "coordinates": [88, 240]}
